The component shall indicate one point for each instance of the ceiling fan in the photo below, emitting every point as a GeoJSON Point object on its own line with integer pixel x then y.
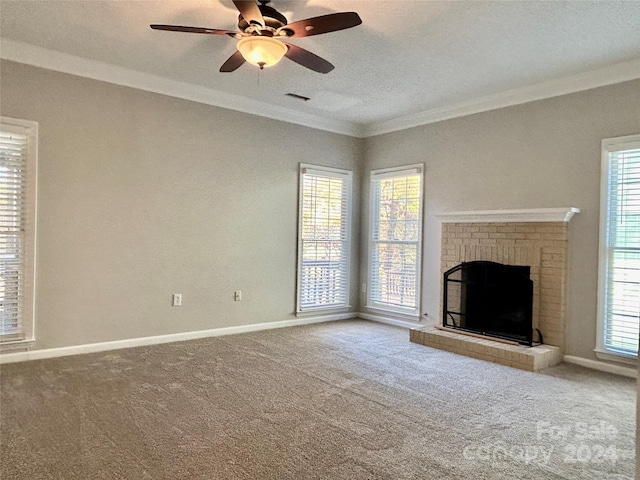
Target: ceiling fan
{"type": "Point", "coordinates": [262, 30]}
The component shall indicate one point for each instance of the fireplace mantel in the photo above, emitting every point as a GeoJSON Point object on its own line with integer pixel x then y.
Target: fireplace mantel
{"type": "Point", "coordinates": [561, 214]}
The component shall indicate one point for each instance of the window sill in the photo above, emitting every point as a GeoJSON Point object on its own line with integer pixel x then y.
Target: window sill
{"type": "Point", "coordinates": [16, 345]}
{"type": "Point", "coordinates": [407, 317]}
{"type": "Point", "coordinates": [316, 312]}
{"type": "Point", "coordinates": [616, 357]}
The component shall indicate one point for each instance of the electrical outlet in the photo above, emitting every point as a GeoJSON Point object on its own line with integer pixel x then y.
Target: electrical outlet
{"type": "Point", "coordinates": [237, 296]}
{"type": "Point", "coordinates": [364, 288]}
{"type": "Point", "coordinates": [176, 300]}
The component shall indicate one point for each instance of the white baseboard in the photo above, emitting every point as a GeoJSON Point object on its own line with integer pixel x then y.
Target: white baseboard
{"type": "Point", "coordinates": [601, 366]}
{"type": "Point", "coordinates": [173, 337]}
{"type": "Point", "coordinates": [389, 321]}
{"type": "Point", "coordinates": [216, 332]}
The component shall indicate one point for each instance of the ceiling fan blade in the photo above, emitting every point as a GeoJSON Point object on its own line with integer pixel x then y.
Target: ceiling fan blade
{"type": "Point", "coordinates": [307, 59]}
{"type": "Point", "coordinates": [178, 28]}
{"type": "Point", "coordinates": [234, 62]}
{"type": "Point", "coordinates": [250, 11]}
{"type": "Point", "coordinates": [323, 24]}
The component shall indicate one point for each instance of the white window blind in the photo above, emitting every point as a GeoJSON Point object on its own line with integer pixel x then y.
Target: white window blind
{"type": "Point", "coordinates": [620, 305]}
{"type": "Point", "coordinates": [395, 240]}
{"type": "Point", "coordinates": [17, 209]}
{"type": "Point", "coordinates": [323, 238]}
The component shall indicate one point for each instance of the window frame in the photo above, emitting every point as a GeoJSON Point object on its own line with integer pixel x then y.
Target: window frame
{"type": "Point", "coordinates": [371, 304]}
{"type": "Point", "coordinates": [27, 306]}
{"type": "Point", "coordinates": [609, 145]}
{"type": "Point", "coordinates": [347, 177]}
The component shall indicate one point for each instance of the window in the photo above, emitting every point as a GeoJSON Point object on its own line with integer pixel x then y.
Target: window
{"type": "Point", "coordinates": [324, 225]}
{"type": "Point", "coordinates": [619, 295]}
{"type": "Point", "coordinates": [395, 240]}
{"type": "Point", "coordinates": [18, 144]}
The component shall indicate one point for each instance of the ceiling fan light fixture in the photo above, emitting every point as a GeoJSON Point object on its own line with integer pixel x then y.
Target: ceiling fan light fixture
{"type": "Point", "coordinates": [261, 51]}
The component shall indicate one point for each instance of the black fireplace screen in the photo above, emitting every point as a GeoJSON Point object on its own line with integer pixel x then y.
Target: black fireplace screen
{"type": "Point", "coordinates": [490, 299]}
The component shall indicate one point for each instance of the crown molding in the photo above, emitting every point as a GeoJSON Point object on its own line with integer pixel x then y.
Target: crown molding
{"type": "Point", "coordinates": [63, 62]}
{"type": "Point", "coordinates": [562, 214]}
{"type": "Point", "coordinates": [620, 72]}
{"type": "Point", "coordinates": [53, 60]}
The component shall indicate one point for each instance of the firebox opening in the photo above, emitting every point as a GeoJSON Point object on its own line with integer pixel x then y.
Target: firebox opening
{"type": "Point", "coordinates": [490, 299]}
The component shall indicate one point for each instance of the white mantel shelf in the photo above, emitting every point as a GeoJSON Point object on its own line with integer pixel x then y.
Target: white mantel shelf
{"type": "Point", "coordinates": [561, 214]}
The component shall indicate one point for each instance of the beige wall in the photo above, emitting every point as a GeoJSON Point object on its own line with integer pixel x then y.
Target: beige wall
{"type": "Point", "coordinates": [143, 195]}
{"type": "Point", "coordinates": [540, 154]}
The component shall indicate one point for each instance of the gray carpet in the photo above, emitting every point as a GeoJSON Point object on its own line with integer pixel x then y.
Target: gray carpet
{"type": "Point", "coordinates": [344, 400]}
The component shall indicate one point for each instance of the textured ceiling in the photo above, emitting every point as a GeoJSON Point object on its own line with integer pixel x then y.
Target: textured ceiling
{"type": "Point", "coordinates": [407, 57]}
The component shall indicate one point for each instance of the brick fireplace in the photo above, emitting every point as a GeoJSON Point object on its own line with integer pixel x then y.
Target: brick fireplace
{"type": "Point", "coordinates": [538, 238]}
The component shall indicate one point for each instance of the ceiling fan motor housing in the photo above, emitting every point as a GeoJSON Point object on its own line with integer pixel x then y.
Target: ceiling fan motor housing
{"type": "Point", "coordinates": [272, 18]}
